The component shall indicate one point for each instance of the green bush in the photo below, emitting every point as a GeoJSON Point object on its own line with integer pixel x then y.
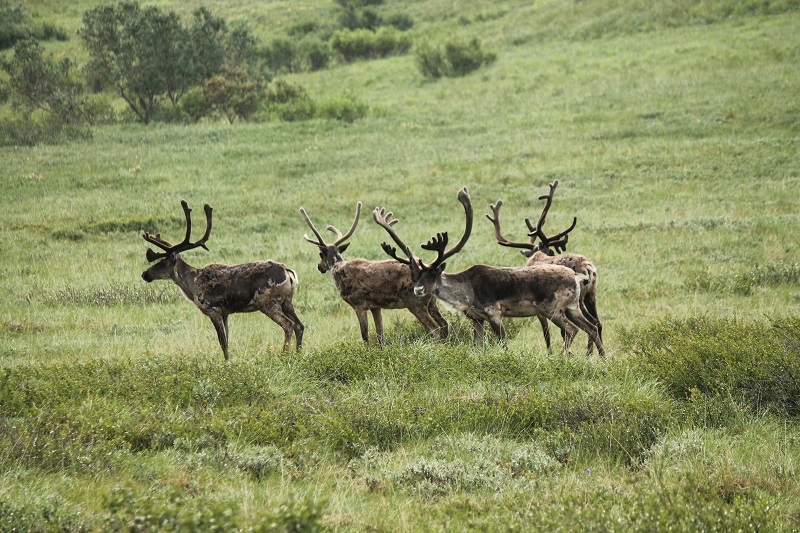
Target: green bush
{"type": "Point", "coordinates": [287, 101]}
{"type": "Point", "coordinates": [345, 107]}
{"type": "Point", "coordinates": [282, 55]}
{"type": "Point", "coordinates": [456, 58]}
{"type": "Point", "coordinates": [315, 53]}
{"type": "Point", "coordinates": [351, 45]}
{"type": "Point", "coordinates": [755, 363]}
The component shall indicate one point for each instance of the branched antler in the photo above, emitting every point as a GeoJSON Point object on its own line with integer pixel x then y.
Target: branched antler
{"type": "Point", "coordinates": [339, 237]}
{"type": "Point", "coordinates": [495, 220]}
{"type": "Point", "coordinates": [385, 220]}
{"type": "Point", "coordinates": [559, 241]}
{"type": "Point", "coordinates": [186, 243]}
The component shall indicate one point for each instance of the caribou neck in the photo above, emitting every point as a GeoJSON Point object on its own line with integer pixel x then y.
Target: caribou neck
{"type": "Point", "coordinates": [184, 275]}
{"type": "Point", "coordinates": [454, 290]}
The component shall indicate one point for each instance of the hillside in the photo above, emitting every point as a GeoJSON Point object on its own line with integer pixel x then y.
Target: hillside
{"type": "Point", "coordinates": [672, 128]}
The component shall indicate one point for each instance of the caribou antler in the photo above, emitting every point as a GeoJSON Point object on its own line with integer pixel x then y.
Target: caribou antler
{"type": "Point", "coordinates": [495, 220]}
{"type": "Point", "coordinates": [339, 237]}
{"type": "Point", "coordinates": [439, 243]}
{"type": "Point", "coordinates": [320, 241]}
{"type": "Point", "coordinates": [559, 241]}
{"type": "Point", "coordinates": [186, 243]}
{"type": "Point", "coordinates": [384, 220]}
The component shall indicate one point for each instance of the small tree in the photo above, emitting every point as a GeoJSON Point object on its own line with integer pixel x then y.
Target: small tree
{"type": "Point", "coordinates": [234, 93]}
{"type": "Point", "coordinates": [139, 52]}
{"type": "Point", "coordinates": [42, 83]}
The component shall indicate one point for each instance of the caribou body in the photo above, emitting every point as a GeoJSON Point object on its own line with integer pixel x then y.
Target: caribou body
{"type": "Point", "coordinates": [488, 293]}
{"type": "Point", "coordinates": [221, 290]}
{"type": "Point", "coordinates": [371, 286]}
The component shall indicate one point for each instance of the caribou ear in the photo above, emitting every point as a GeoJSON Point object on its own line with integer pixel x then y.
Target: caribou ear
{"type": "Point", "coordinates": [526, 253]}
{"type": "Point", "coordinates": [441, 268]}
{"type": "Point", "coordinates": [343, 247]}
{"type": "Point", "coordinates": [152, 256]}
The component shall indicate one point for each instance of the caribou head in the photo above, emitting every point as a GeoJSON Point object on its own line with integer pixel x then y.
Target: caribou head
{"type": "Point", "coordinates": [330, 253]}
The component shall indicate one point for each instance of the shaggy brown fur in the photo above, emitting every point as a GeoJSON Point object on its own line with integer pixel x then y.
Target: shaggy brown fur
{"type": "Point", "coordinates": [373, 285]}
{"type": "Point", "coordinates": [221, 290]}
{"type": "Point", "coordinates": [486, 293]}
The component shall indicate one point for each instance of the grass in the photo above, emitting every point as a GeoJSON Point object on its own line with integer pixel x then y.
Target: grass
{"type": "Point", "coordinates": [673, 131]}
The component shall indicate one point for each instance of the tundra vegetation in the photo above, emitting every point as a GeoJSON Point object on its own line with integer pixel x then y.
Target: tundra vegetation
{"type": "Point", "coordinates": [672, 128]}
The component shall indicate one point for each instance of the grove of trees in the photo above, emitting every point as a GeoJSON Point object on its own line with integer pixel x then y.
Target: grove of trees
{"type": "Point", "coordinates": [167, 69]}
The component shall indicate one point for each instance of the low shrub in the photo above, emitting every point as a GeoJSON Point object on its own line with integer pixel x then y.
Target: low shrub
{"type": "Point", "coordinates": [113, 295]}
{"type": "Point", "coordinates": [46, 516]}
{"type": "Point", "coordinates": [456, 58]}
{"type": "Point", "coordinates": [289, 102]}
{"type": "Point", "coordinates": [345, 107]}
{"type": "Point", "coordinates": [744, 283]}
{"type": "Point", "coordinates": [687, 504]}
{"type": "Point", "coordinates": [315, 54]}
{"type": "Point", "coordinates": [755, 363]}
{"type": "Point", "coordinates": [351, 45]}
{"type": "Point", "coordinates": [169, 509]}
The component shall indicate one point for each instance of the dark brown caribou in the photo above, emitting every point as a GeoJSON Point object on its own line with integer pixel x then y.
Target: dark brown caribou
{"type": "Point", "coordinates": [373, 285]}
{"type": "Point", "coordinates": [220, 290]}
{"type": "Point", "coordinates": [487, 293]}
{"type": "Point", "coordinates": [544, 252]}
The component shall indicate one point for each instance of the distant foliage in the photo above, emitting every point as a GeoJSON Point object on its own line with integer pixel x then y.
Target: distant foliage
{"type": "Point", "coordinates": [16, 25]}
{"type": "Point", "coordinates": [455, 58]}
{"type": "Point", "coordinates": [282, 55]}
{"type": "Point", "coordinates": [234, 94]}
{"type": "Point", "coordinates": [315, 54]}
{"type": "Point", "coordinates": [345, 107]}
{"type": "Point", "coordinates": [146, 54]}
{"type": "Point", "coordinates": [48, 97]}
{"type": "Point", "coordinates": [289, 102]}
{"type": "Point", "coordinates": [351, 45]}
{"type": "Point", "coordinates": [756, 364]}
{"type": "Point", "coordinates": [40, 83]}
{"type": "Point", "coordinates": [745, 283]}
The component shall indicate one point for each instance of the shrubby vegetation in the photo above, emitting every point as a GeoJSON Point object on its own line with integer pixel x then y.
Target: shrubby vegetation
{"type": "Point", "coordinates": [364, 43]}
{"type": "Point", "coordinates": [167, 70]}
{"type": "Point", "coordinates": [454, 58]}
{"type": "Point", "coordinates": [16, 25]}
{"type": "Point", "coordinates": [704, 359]}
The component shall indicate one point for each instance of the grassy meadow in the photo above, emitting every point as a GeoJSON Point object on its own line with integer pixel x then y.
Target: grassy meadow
{"type": "Point", "coordinates": [674, 131]}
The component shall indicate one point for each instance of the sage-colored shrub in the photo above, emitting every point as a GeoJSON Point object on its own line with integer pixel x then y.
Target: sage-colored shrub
{"type": "Point", "coordinates": [755, 363]}
{"type": "Point", "coordinates": [454, 58]}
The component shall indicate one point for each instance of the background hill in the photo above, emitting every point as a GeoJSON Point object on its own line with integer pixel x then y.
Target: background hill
{"type": "Point", "coordinates": [673, 130]}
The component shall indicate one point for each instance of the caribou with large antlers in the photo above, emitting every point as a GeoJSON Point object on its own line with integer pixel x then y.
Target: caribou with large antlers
{"type": "Point", "coordinates": [543, 252]}
{"type": "Point", "coordinates": [486, 293]}
{"type": "Point", "coordinates": [220, 290]}
{"type": "Point", "coordinates": [373, 285]}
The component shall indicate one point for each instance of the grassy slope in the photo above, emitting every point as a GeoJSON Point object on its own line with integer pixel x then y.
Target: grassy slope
{"type": "Point", "coordinates": [675, 143]}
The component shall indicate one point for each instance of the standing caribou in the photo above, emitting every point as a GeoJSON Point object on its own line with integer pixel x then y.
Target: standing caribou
{"type": "Point", "coordinates": [220, 290]}
{"type": "Point", "coordinates": [373, 285]}
{"type": "Point", "coordinates": [544, 253]}
{"type": "Point", "coordinates": [487, 293]}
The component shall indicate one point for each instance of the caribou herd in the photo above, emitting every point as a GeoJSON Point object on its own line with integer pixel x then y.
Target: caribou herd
{"type": "Point", "coordinates": [552, 286]}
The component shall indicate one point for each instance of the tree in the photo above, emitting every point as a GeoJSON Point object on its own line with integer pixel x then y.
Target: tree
{"type": "Point", "coordinates": [141, 53]}
{"type": "Point", "coordinates": [234, 93]}
{"type": "Point", "coordinates": [42, 83]}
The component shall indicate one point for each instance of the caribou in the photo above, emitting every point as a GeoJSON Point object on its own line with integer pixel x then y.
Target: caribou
{"type": "Point", "coordinates": [220, 290]}
{"type": "Point", "coordinates": [544, 252]}
{"type": "Point", "coordinates": [487, 293]}
{"type": "Point", "coordinates": [373, 285]}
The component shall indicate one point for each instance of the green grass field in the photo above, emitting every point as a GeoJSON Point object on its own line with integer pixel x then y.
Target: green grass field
{"type": "Point", "coordinates": [673, 130]}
